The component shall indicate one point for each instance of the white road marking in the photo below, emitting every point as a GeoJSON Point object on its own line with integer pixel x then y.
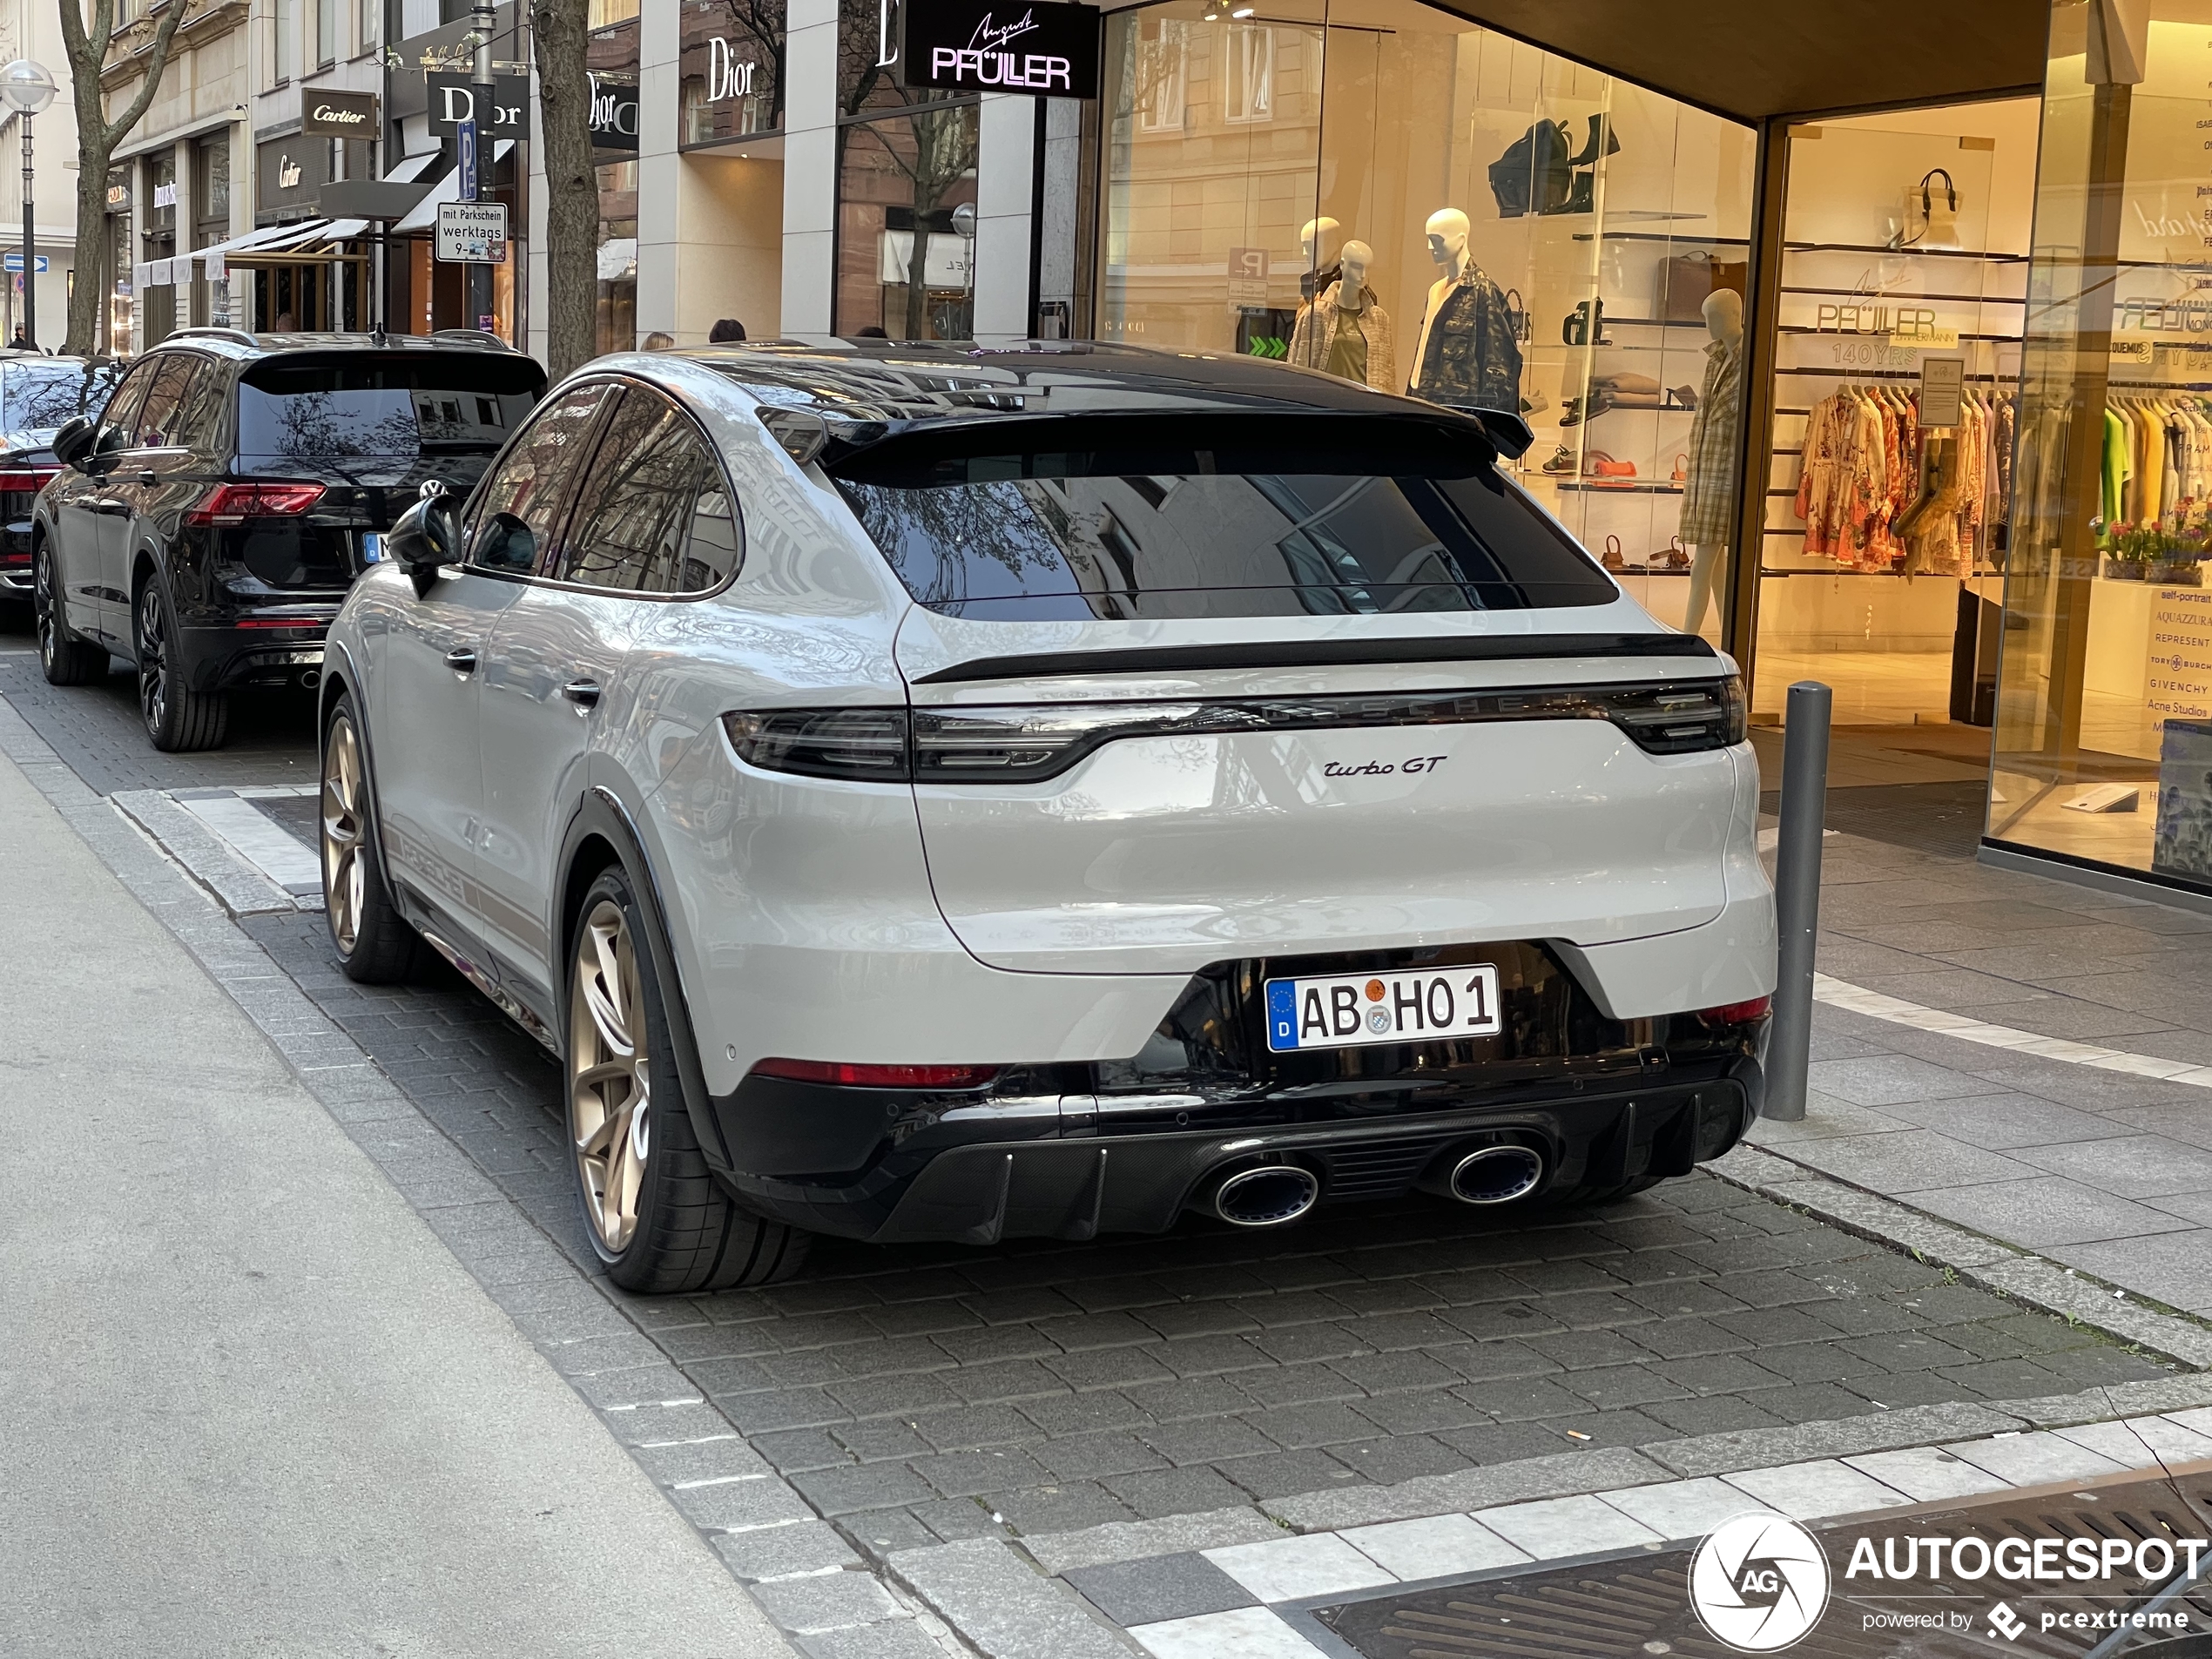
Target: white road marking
{"type": "Point", "coordinates": [1898, 1011]}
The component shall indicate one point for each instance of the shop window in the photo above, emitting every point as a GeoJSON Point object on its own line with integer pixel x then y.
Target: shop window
{"type": "Point", "coordinates": [1270, 188]}
{"type": "Point", "coordinates": [605, 12]}
{"type": "Point", "coordinates": [211, 221]}
{"type": "Point", "coordinates": [1161, 73]}
{"type": "Point", "coordinates": [902, 265]}
{"type": "Point", "coordinates": [2104, 695]}
{"type": "Point", "coordinates": [1250, 92]}
{"type": "Point", "coordinates": [732, 69]}
{"type": "Point", "coordinates": [617, 320]}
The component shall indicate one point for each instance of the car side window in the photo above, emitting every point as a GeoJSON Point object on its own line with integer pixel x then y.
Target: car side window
{"type": "Point", "coordinates": [199, 416]}
{"type": "Point", "coordinates": [637, 528]}
{"type": "Point", "coordinates": [519, 506]}
{"type": "Point", "coordinates": [157, 421]}
{"type": "Point", "coordinates": [122, 412]}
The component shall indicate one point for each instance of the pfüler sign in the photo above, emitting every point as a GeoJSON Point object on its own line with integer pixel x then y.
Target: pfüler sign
{"type": "Point", "coordinates": [1045, 50]}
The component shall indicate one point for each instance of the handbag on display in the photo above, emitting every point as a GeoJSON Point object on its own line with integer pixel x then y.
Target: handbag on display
{"type": "Point", "coordinates": [1585, 325]}
{"type": "Point", "coordinates": [1517, 316]}
{"type": "Point", "coordinates": [1685, 283]}
{"type": "Point", "coordinates": [1533, 174]}
{"type": "Point", "coordinates": [1930, 216]}
{"type": "Point", "coordinates": [1613, 560]}
{"type": "Point", "coordinates": [1681, 469]}
{"type": "Point", "coordinates": [1603, 471]}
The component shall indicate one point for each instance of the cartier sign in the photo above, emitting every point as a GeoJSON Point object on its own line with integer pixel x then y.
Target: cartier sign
{"type": "Point", "coordinates": [1045, 48]}
{"type": "Point", "coordinates": [338, 115]}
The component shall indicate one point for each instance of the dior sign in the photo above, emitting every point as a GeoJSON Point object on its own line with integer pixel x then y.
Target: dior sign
{"type": "Point", "coordinates": [1045, 48]}
{"type": "Point", "coordinates": [727, 76]}
{"type": "Point", "coordinates": [614, 115]}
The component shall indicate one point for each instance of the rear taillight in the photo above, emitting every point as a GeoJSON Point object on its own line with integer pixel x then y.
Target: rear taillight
{"type": "Point", "coordinates": [1029, 744]}
{"type": "Point", "coordinates": [27, 480]}
{"type": "Point", "coordinates": [853, 1076]}
{"type": "Point", "coordinates": [1737, 1013]}
{"type": "Point", "coordinates": [235, 504]}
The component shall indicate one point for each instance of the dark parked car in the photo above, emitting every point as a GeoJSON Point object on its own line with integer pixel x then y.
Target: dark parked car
{"type": "Point", "coordinates": [37, 395]}
{"type": "Point", "coordinates": [213, 515]}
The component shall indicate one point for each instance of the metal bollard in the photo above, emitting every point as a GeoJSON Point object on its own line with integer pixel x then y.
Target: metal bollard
{"type": "Point", "coordinates": [1797, 895]}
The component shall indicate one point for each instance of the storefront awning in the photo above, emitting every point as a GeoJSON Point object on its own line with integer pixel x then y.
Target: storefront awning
{"type": "Point", "coordinates": [1751, 59]}
{"type": "Point", "coordinates": [448, 189]}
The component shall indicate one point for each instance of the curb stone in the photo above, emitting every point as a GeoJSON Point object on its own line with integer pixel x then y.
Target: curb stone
{"type": "Point", "coordinates": [2016, 1274]}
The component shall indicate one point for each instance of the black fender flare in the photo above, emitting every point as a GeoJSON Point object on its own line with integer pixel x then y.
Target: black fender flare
{"type": "Point", "coordinates": [602, 815]}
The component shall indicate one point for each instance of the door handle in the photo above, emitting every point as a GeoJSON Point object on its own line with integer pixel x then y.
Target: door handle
{"type": "Point", "coordinates": [583, 694]}
{"type": "Point", "coordinates": [148, 478]}
{"type": "Point", "coordinates": [461, 660]}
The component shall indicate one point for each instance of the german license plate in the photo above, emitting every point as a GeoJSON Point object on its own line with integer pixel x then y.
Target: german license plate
{"type": "Point", "coordinates": [1350, 1010]}
{"type": "Point", "coordinates": [372, 548]}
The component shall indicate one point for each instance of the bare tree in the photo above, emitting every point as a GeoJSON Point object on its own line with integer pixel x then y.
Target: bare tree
{"type": "Point", "coordinates": [944, 142]}
{"type": "Point", "coordinates": [96, 136]}
{"type": "Point", "coordinates": [559, 28]}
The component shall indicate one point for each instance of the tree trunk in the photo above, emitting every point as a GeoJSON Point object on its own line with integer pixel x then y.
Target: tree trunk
{"type": "Point", "coordinates": [89, 290]}
{"type": "Point", "coordinates": [571, 185]}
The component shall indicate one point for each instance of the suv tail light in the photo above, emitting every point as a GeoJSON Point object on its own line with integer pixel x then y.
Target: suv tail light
{"type": "Point", "coordinates": [26, 481]}
{"type": "Point", "coordinates": [1737, 1013]}
{"type": "Point", "coordinates": [235, 504]}
{"type": "Point", "coordinates": [853, 1076]}
{"type": "Point", "coordinates": [1028, 744]}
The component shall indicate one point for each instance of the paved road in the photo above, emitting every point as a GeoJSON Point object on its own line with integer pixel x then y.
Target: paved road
{"type": "Point", "coordinates": [925, 1394]}
{"type": "Point", "coordinates": [254, 1405]}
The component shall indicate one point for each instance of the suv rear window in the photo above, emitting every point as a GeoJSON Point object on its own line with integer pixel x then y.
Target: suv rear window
{"type": "Point", "coordinates": [1326, 530]}
{"type": "Point", "coordinates": [360, 407]}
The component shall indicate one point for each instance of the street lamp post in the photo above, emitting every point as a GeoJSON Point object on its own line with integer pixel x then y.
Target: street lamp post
{"type": "Point", "coordinates": [480, 280]}
{"type": "Point", "coordinates": [28, 89]}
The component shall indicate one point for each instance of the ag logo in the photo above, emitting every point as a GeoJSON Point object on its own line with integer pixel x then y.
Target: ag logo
{"type": "Point", "coordinates": [1759, 1582]}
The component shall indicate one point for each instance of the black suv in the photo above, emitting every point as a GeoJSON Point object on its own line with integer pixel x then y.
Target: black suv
{"type": "Point", "coordinates": [209, 523]}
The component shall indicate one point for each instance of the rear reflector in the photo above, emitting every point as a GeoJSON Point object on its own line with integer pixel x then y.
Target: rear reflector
{"type": "Point", "coordinates": [853, 1076]}
{"type": "Point", "coordinates": [1737, 1013]}
{"type": "Point", "coordinates": [235, 504]}
{"type": "Point", "coordinates": [316, 622]}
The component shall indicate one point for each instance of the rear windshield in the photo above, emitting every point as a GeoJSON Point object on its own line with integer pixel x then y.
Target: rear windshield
{"type": "Point", "coordinates": [383, 408]}
{"type": "Point", "coordinates": [1044, 539]}
{"type": "Point", "coordinates": [39, 396]}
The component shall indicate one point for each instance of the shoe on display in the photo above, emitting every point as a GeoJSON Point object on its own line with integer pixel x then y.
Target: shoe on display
{"type": "Point", "coordinates": [1563, 460]}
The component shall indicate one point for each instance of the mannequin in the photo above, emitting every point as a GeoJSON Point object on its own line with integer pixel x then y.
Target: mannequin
{"type": "Point", "coordinates": [1317, 237]}
{"type": "Point", "coordinates": [1346, 331]}
{"type": "Point", "coordinates": [1709, 490]}
{"type": "Point", "coordinates": [1468, 352]}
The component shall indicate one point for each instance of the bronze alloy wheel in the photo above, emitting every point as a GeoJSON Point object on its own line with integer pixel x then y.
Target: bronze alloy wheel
{"type": "Point", "coordinates": [609, 1089]}
{"type": "Point", "coordinates": [344, 875]}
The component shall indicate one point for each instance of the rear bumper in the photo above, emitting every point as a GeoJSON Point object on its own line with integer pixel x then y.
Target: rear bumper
{"type": "Point", "coordinates": [223, 657]}
{"type": "Point", "coordinates": [985, 1169]}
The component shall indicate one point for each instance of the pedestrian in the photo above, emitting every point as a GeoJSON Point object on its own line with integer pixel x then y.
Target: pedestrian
{"type": "Point", "coordinates": [656, 341]}
{"type": "Point", "coordinates": [21, 341]}
{"type": "Point", "coordinates": [728, 332]}
{"type": "Point", "coordinates": [283, 325]}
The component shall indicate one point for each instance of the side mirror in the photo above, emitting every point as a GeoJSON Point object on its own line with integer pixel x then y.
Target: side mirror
{"type": "Point", "coordinates": [425, 537]}
{"type": "Point", "coordinates": [74, 441]}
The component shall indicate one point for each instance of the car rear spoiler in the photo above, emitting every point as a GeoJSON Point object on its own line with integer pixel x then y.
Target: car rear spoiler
{"type": "Point", "coordinates": [1405, 441]}
{"type": "Point", "coordinates": [1320, 653]}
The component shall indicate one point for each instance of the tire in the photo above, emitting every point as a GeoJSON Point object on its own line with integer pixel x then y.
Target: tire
{"type": "Point", "coordinates": [374, 942]}
{"type": "Point", "coordinates": [652, 1209]}
{"type": "Point", "coordinates": [178, 719]}
{"type": "Point", "coordinates": [66, 660]}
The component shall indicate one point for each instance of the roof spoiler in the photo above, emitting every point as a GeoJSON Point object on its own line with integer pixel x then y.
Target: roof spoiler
{"type": "Point", "coordinates": [1508, 430]}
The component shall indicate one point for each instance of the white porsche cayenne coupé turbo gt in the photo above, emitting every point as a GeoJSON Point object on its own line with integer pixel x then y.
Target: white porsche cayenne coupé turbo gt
{"type": "Point", "coordinates": [931, 793]}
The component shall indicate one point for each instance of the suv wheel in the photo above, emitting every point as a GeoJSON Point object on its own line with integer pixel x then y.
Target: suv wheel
{"type": "Point", "coordinates": [178, 719]}
{"type": "Point", "coordinates": [654, 1212]}
{"type": "Point", "coordinates": [375, 944]}
{"type": "Point", "coordinates": [67, 659]}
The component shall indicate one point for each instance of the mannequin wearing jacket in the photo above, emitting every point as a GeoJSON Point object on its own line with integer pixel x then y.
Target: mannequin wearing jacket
{"type": "Point", "coordinates": [1346, 331]}
{"type": "Point", "coordinates": [1467, 354]}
